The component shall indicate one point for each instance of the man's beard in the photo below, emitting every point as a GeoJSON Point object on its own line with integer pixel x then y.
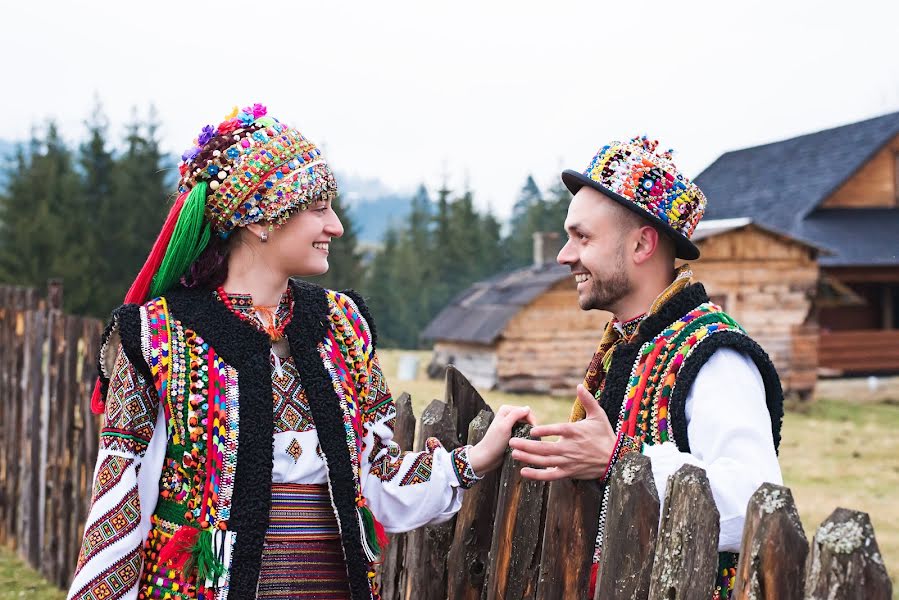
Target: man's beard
{"type": "Point", "coordinates": [606, 293]}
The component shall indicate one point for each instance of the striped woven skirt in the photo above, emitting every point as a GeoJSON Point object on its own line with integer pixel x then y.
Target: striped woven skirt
{"type": "Point", "coordinates": [302, 558]}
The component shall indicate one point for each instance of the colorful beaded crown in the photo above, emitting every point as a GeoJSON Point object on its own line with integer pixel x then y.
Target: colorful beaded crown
{"type": "Point", "coordinates": [256, 169]}
{"type": "Point", "coordinates": [647, 182]}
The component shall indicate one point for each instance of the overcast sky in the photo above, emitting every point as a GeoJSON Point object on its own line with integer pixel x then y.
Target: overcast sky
{"type": "Point", "coordinates": [484, 92]}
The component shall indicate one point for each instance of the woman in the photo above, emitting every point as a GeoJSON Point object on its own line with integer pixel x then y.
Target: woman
{"type": "Point", "coordinates": [247, 448]}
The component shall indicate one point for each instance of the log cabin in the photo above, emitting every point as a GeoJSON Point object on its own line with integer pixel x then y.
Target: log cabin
{"type": "Point", "coordinates": [800, 243]}
{"type": "Point", "coordinates": [524, 332]}
{"type": "Point", "coordinates": [839, 190]}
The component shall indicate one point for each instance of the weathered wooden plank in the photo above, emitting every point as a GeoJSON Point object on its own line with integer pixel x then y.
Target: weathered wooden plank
{"type": "Point", "coordinates": [30, 458]}
{"type": "Point", "coordinates": [426, 546]}
{"type": "Point", "coordinates": [631, 530]}
{"type": "Point", "coordinates": [686, 559]}
{"type": "Point", "coordinates": [469, 555]}
{"type": "Point", "coordinates": [391, 572]}
{"type": "Point", "coordinates": [845, 562]}
{"type": "Point", "coordinates": [572, 517]}
{"type": "Point", "coordinates": [466, 400]}
{"type": "Point", "coordinates": [774, 548]}
{"type": "Point", "coordinates": [517, 535]}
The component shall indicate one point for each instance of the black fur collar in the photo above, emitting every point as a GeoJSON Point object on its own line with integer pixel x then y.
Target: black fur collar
{"type": "Point", "coordinates": [247, 349]}
{"type": "Point", "coordinates": [625, 355]}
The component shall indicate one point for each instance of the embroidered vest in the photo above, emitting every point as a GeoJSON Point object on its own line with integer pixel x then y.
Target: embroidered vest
{"type": "Point", "coordinates": [212, 373]}
{"type": "Point", "coordinates": [645, 390]}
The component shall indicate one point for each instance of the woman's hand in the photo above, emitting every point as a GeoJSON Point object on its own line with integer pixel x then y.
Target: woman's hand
{"type": "Point", "coordinates": [487, 454]}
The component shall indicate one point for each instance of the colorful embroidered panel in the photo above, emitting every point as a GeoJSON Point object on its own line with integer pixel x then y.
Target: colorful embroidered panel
{"type": "Point", "coordinates": [115, 581]}
{"type": "Point", "coordinates": [130, 413]}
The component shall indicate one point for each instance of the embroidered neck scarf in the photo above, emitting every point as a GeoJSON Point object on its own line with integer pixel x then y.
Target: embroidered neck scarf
{"type": "Point", "coordinates": [617, 332]}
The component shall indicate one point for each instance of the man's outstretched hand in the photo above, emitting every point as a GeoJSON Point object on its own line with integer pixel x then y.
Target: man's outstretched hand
{"type": "Point", "coordinates": [582, 451]}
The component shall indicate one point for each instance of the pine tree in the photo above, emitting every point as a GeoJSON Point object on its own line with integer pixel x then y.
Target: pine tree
{"type": "Point", "coordinates": [42, 222]}
{"type": "Point", "coordinates": [527, 216]}
{"type": "Point", "coordinates": [97, 165]}
{"type": "Point", "coordinates": [383, 296]}
{"type": "Point", "coordinates": [143, 191]}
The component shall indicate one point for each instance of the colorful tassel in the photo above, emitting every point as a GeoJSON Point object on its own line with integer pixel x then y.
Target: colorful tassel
{"type": "Point", "coordinates": [209, 567]}
{"type": "Point", "coordinates": [180, 547]}
{"type": "Point", "coordinates": [139, 291]}
{"type": "Point", "coordinates": [189, 238]}
{"type": "Point", "coordinates": [98, 400]}
{"type": "Point", "coordinates": [374, 539]}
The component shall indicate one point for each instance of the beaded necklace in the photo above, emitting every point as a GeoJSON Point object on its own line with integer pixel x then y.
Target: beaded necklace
{"type": "Point", "coordinates": [266, 320]}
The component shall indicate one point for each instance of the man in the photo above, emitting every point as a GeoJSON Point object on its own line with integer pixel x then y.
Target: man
{"type": "Point", "coordinates": [674, 377]}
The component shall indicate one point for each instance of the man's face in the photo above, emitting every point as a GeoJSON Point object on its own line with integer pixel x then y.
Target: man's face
{"type": "Point", "coordinates": [595, 250]}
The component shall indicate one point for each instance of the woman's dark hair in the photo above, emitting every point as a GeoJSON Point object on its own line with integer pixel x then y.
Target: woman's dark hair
{"type": "Point", "coordinates": [211, 268]}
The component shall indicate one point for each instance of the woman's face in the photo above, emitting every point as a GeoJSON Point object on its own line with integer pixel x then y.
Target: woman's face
{"type": "Point", "coordinates": [300, 246]}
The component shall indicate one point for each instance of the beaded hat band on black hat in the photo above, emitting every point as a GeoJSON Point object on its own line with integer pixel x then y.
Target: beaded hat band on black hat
{"type": "Point", "coordinates": [647, 182]}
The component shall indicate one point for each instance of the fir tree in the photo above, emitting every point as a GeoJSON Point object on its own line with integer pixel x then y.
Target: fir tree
{"type": "Point", "coordinates": [42, 220]}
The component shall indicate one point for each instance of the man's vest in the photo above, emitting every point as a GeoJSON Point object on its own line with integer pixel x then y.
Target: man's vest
{"type": "Point", "coordinates": [648, 381]}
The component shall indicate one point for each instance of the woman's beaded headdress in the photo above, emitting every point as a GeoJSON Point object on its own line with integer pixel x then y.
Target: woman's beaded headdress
{"type": "Point", "coordinates": [250, 168]}
{"type": "Point", "coordinates": [256, 169]}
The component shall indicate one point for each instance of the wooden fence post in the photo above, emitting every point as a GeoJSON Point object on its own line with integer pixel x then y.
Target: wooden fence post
{"type": "Point", "coordinates": [774, 548]}
{"type": "Point", "coordinates": [470, 552]}
{"type": "Point", "coordinates": [426, 548]}
{"type": "Point", "coordinates": [392, 567]}
{"type": "Point", "coordinates": [569, 537]}
{"type": "Point", "coordinates": [516, 545]}
{"type": "Point", "coordinates": [631, 529]}
{"type": "Point", "coordinates": [28, 526]}
{"type": "Point", "coordinates": [468, 403]}
{"type": "Point", "coordinates": [845, 562]}
{"type": "Point", "coordinates": [686, 560]}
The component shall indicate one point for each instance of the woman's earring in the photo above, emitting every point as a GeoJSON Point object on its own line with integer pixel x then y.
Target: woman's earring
{"type": "Point", "coordinates": [263, 237]}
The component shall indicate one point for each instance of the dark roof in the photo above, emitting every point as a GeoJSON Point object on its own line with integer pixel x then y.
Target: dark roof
{"type": "Point", "coordinates": [860, 237]}
{"type": "Point", "coordinates": [780, 185]}
{"type": "Point", "coordinates": [480, 313]}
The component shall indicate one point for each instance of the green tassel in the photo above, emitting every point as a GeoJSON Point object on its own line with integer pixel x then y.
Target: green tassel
{"type": "Point", "coordinates": [371, 536]}
{"type": "Point", "coordinates": [209, 568]}
{"type": "Point", "coordinates": [189, 239]}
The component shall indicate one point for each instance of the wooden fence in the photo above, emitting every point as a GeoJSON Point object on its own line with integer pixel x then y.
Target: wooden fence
{"type": "Point", "coordinates": [49, 435]}
{"type": "Point", "coordinates": [516, 539]}
{"type": "Point", "coordinates": [513, 538]}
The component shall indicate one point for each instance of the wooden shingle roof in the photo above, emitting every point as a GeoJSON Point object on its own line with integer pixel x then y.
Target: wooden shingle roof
{"type": "Point", "coordinates": [480, 313]}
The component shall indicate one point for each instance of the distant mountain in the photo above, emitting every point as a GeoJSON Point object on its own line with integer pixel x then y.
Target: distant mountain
{"type": "Point", "coordinates": [373, 206]}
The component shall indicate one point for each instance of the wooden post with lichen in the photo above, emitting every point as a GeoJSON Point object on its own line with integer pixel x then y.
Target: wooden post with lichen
{"type": "Point", "coordinates": [516, 546]}
{"type": "Point", "coordinates": [469, 555]}
{"type": "Point", "coordinates": [687, 548]}
{"type": "Point", "coordinates": [845, 562]}
{"type": "Point", "coordinates": [631, 529]}
{"type": "Point", "coordinates": [391, 571]}
{"type": "Point", "coordinates": [774, 548]}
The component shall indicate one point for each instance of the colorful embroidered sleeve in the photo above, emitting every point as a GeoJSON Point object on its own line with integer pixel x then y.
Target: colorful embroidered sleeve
{"type": "Point", "coordinates": [109, 563]}
{"type": "Point", "coordinates": [407, 489]}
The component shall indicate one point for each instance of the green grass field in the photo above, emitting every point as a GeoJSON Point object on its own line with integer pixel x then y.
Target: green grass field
{"type": "Point", "coordinates": [837, 451]}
